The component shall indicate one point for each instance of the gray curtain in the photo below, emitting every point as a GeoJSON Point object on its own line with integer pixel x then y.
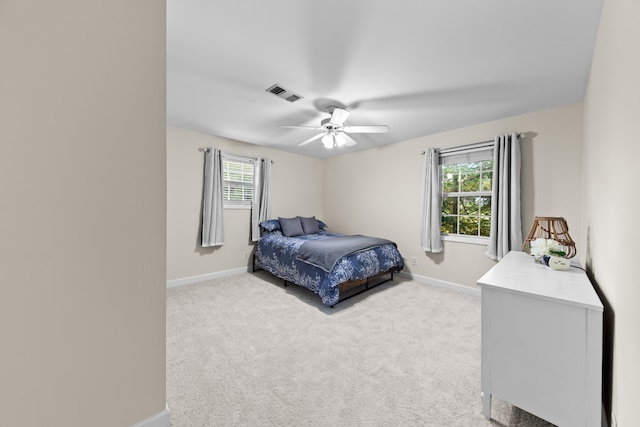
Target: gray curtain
{"type": "Point", "coordinates": [431, 239]}
{"type": "Point", "coordinates": [261, 205]}
{"type": "Point", "coordinates": [506, 227]}
{"type": "Point", "coordinates": [212, 201]}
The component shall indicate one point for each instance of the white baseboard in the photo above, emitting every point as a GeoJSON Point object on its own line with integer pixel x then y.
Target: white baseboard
{"type": "Point", "coordinates": [161, 419]}
{"type": "Point", "coordinates": [204, 277]}
{"type": "Point", "coordinates": [422, 279]}
{"type": "Point", "coordinates": [442, 284]}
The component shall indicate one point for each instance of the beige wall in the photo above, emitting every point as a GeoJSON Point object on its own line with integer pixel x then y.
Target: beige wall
{"type": "Point", "coordinates": [82, 212]}
{"type": "Point", "coordinates": [611, 152]}
{"type": "Point", "coordinates": [379, 191]}
{"type": "Point", "coordinates": [296, 190]}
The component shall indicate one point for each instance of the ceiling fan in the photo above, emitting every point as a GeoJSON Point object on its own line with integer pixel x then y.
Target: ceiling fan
{"type": "Point", "coordinates": [334, 132]}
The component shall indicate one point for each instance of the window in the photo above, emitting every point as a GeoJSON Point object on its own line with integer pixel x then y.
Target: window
{"type": "Point", "coordinates": [467, 176]}
{"type": "Point", "coordinates": [237, 176]}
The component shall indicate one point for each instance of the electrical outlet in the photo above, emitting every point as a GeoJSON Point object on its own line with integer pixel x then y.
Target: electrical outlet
{"type": "Point", "coordinates": [415, 261]}
{"type": "Point", "coordinates": [245, 255]}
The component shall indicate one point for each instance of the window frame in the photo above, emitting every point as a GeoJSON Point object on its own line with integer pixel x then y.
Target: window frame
{"type": "Point", "coordinates": [232, 204]}
{"type": "Point", "coordinates": [465, 154]}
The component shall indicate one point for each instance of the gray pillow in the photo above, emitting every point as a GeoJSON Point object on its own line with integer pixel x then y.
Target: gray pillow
{"type": "Point", "coordinates": [309, 225]}
{"type": "Point", "coordinates": [291, 226]}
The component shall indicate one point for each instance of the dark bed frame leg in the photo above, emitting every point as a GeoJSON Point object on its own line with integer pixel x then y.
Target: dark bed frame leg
{"type": "Point", "coordinates": [254, 265]}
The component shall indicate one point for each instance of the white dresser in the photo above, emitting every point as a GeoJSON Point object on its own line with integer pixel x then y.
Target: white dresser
{"type": "Point", "coordinates": [542, 341]}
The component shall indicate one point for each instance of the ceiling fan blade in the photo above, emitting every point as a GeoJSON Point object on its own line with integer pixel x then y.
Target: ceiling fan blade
{"type": "Point", "coordinates": [338, 116]}
{"type": "Point", "coordinates": [302, 127]}
{"type": "Point", "coordinates": [313, 138]}
{"type": "Point", "coordinates": [367, 129]}
{"type": "Point", "coordinates": [348, 141]}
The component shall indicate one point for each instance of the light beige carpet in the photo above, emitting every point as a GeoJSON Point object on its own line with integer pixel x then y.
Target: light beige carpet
{"type": "Point", "coordinates": [246, 351]}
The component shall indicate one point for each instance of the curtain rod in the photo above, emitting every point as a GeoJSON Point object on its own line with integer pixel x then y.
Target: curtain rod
{"type": "Point", "coordinates": [206, 149]}
{"type": "Point", "coordinates": [520, 135]}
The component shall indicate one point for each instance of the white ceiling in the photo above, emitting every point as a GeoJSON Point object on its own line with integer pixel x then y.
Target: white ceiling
{"type": "Point", "coordinates": [419, 66]}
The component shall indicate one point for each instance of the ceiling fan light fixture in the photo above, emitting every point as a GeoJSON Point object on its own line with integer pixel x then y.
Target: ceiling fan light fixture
{"type": "Point", "coordinates": [327, 140]}
{"type": "Point", "coordinates": [334, 132]}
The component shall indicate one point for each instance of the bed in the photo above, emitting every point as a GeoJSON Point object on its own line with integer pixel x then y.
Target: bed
{"type": "Point", "coordinates": [302, 251]}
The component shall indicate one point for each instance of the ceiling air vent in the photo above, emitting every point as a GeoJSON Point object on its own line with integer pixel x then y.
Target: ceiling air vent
{"type": "Point", "coordinates": [283, 93]}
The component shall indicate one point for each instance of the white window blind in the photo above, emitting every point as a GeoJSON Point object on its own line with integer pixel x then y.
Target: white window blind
{"type": "Point", "coordinates": [467, 154]}
{"type": "Point", "coordinates": [237, 174]}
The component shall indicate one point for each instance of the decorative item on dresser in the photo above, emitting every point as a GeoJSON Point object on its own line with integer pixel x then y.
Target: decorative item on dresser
{"type": "Point", "coordinates": [541, 341]}
{"type": "Point", "coordinates": [550, 253]}
{"type": "Point", "coordinates": [550, 227]}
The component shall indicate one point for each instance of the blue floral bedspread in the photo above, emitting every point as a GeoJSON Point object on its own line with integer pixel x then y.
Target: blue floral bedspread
{"type": "Point", "coordinates": [278, 255]}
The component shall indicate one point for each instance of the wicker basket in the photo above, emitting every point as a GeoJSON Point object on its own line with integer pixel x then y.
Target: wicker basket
{"type": "Point", "coordinates": [550, 227]}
